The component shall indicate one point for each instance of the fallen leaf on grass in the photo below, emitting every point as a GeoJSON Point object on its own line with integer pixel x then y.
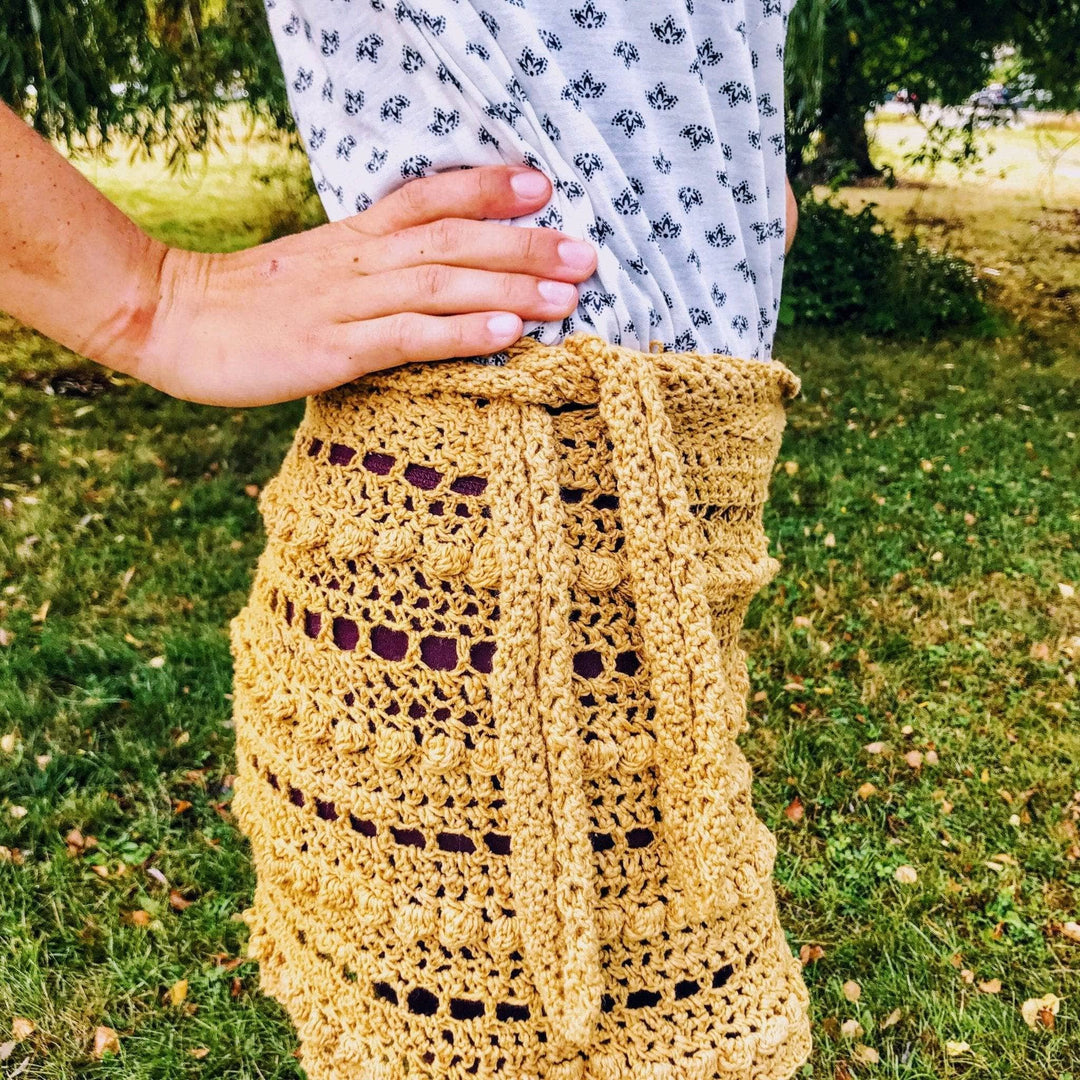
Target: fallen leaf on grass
{"type": "Point", "coordinates": [831, 1027]}
{"type": "Point", "coordinates": [991, 986]}
{"type": "Point", "coordinates": [865, 1055]}
{"type": "Point", "coordinates": [6, 1050]}
{"type": "Point", "coordinates": [1071, 930]}
{"type": "Point", "coordinates": [809, 953]}
{"type": "Point", "coordinates": [178, 991]}
{"type": "Point", "coordinates": [955, 1049]}
{"type": "Point", "coordinates": [866, 790]}
{"type": "Point", "coordinates": [914, 758]}
{"type": "Point", "coordinates": [968, 976]}
{"type": "Point", "coordinates": [7, 742]}
{"type": "Point", "coordinates": [1040, 1012]}
{"type": "Point", "coordinates": [178, 902]}
{"type": "Point", "coordinates": [892, 1019]}
{"type": "Point", "coordinates": [199, 1052]}
{"type": "Point", "coordinates": [852, 990]}
{"type": "Point", "coordinates": [794, 810]}
{"type": "Point", "coordinates": [875, 747]}
{"type": "Point", "coordinates": [22, 1028]}
{"type": "Point", "coordinates": [227, 962]}
{"type": "Point", "coordinates": [906, 875]}
{"type": "Point", "coordinates": [852, 1029]}
{"type": "Point", "coordinates": [106, 1041]}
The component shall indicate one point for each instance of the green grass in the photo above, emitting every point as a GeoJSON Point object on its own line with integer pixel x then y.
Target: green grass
{"type": "Point", "coordinates": [932, 517]}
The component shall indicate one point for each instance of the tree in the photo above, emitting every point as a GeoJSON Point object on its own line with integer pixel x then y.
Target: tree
{"type": "Point", "coordinates": [160, 71]}
{"type": "Point", "coordinates": [845, 55]}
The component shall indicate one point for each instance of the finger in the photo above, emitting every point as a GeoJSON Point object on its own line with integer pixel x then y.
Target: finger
{"type": "Point", "coordinates": [436, 289]}
{"type": "Point", "coordinates": [457, 241]}
{"type": "Point", "coordinates": [406, 337]}
{"type": "Point", "coordinates": [486, 191]}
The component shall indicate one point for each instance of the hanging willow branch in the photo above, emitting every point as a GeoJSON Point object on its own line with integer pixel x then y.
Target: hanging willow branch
{"type": "Point", "coordinates": [159, 71]}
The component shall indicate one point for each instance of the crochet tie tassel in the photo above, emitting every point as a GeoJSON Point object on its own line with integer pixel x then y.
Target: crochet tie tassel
{"type": "Point", "coordinates": [532, 692]}
{"type": "Point", "coordinates": [688, 601]}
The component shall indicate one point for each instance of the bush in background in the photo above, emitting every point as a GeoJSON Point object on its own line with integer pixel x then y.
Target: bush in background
{"type": "Point", "coordinates": [851, 269]}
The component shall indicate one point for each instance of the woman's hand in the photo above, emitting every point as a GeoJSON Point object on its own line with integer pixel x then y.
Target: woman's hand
{"type": "Point", "coordinates": [417, 276]}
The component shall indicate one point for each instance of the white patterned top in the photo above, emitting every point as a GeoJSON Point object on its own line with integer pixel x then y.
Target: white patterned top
{"type": "Point", "coordinates": [660, 124]}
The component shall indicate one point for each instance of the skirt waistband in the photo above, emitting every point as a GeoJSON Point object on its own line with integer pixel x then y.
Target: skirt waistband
{"type": "Point", "coordinates": [561, 374]}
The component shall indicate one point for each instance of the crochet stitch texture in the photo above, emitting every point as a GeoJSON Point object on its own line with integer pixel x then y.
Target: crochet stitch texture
{"type": "Point", "coordinates": [487, 693]}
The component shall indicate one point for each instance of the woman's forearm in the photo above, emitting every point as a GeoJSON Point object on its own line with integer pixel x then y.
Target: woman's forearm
{"type": "Point", "coordinates": [791, 214]}
{"type": "Point", "coordinates": [72, 265]}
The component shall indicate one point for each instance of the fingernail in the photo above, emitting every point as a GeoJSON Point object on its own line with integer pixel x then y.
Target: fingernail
{"type": "Point", "coordinates": [575, 253]}
{"type": "Point", "coordinates": [504, 326]}
{"type": "Point", "coordinates": [529, 184]}
{"type": "Point", "coordinates": [556, 292]}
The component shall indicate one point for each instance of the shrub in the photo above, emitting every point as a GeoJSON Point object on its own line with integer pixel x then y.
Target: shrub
{"type": "Point", "coordinates": [850, 268]}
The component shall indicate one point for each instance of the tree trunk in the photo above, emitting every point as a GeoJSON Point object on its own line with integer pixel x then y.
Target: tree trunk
{"type": "Point", "coordinates": [845, 144]}
{"type": "Point", "coordinates": [844, 147]}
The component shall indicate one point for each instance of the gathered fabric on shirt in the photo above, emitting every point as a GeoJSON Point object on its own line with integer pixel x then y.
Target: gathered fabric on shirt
{"type": "Point", "coordinates": [660, 125]}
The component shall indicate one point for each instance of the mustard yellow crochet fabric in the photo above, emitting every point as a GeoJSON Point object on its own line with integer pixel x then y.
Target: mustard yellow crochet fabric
{"type": "Point", "coordinates": [487, 692]}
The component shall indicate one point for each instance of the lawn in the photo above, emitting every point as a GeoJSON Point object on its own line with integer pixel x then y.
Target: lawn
{"type": "Point", "coordinates": [914, 712]}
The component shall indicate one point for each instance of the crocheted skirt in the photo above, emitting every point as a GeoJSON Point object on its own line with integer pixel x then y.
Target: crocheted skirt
{"type": "Point", "coordinates": [487, 693]}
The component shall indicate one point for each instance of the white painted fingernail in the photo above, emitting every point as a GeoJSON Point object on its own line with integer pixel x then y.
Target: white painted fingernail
{"type": "Point", "coordinates": [556, 292]}
{"type": "Point", "coordinates": [575, 253]}
{"type": "Point", "coordinates": [529, 184]}
{"type": "Point", "coordinates": [503, 326]}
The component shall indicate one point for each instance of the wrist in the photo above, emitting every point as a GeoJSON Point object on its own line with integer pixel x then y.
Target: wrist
{"type": "Point", "coordinates": [118, 339]}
